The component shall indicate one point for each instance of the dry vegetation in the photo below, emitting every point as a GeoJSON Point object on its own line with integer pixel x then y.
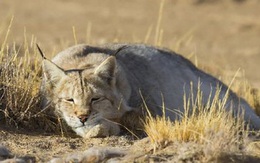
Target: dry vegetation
{"type": "Point", "coordinates": [20, 81]}
{"type": "Point", "coordinates": [212, 134]}
{"type": "Point", "coordinates": [211, 127]}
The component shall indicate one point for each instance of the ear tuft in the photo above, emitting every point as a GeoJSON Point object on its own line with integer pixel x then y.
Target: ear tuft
{"type": "Point", "coordinates": [52, 72]}
{"type": "Point", "coordinates": [106, 70]}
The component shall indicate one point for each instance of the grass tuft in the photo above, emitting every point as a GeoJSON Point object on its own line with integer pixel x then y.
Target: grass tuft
{"type": "Point", "coordinates": [210, 126]}
{"type": "Point", "coordinates": [19, 89]}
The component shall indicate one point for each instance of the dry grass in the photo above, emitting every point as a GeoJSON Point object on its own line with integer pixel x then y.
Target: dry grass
{"type": "Point", "coordinates": [243, 89]}
{"type": "Point", "coordinates": [208, 126]}
{"type": "Point", "coordinates": [19, 87]}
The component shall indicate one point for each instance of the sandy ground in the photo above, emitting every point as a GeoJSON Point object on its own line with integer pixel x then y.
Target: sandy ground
{"type": "Point", "coordinates": [220, 36]}
{"type": "Point", "coordinates": [43, 147]}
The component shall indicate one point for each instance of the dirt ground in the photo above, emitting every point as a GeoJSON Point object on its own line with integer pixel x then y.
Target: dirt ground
{"type": "Point", "coordinates": [220, 36]}
{"type": "Point", "coordinates": [38, 147]}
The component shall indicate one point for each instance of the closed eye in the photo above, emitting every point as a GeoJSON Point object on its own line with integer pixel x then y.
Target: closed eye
{"type": "Point", "coordinates": [96, 99]}
{"type": "Point", "coordinates": [71, 100]}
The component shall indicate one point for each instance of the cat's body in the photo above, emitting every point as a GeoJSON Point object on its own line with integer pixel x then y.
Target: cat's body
{"type": "Point", "coordinates": [92, 88]}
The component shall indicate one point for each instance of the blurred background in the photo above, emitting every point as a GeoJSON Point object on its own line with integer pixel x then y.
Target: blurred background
{"type": "Point", "coordinates": [220, 36]}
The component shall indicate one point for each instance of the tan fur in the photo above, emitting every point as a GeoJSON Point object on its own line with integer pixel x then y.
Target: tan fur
{"type": "Point", "coordinates": [82, 86]}
{"type": "Point", "coordinates": [93, 88]}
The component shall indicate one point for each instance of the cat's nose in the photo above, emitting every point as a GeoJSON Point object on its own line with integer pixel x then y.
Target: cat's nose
{"type": "Point", "coordinates": [83, 118]}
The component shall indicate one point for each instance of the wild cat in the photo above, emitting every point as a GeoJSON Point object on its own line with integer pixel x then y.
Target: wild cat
{"type": "Point", "coordinates": [92, 88]}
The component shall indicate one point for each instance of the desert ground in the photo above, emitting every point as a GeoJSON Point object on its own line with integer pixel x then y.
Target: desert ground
{"type": "Point", "coordinates": [220, 36]}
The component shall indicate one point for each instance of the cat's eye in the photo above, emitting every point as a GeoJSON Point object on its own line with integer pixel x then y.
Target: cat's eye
{"type": "Point", "coordinates": [93, 100]}
{"type": "Point", "coordinates": [71, 100]}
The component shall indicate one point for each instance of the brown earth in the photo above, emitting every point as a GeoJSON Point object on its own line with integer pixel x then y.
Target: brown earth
{"type": "Point", "coordinates": [222, 36]}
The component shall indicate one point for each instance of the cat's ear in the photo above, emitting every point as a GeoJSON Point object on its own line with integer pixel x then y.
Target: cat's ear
{"type": "Point", "coordinates": [106, 70]}
{"type": "Point", "coordinates": [52, 72]}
